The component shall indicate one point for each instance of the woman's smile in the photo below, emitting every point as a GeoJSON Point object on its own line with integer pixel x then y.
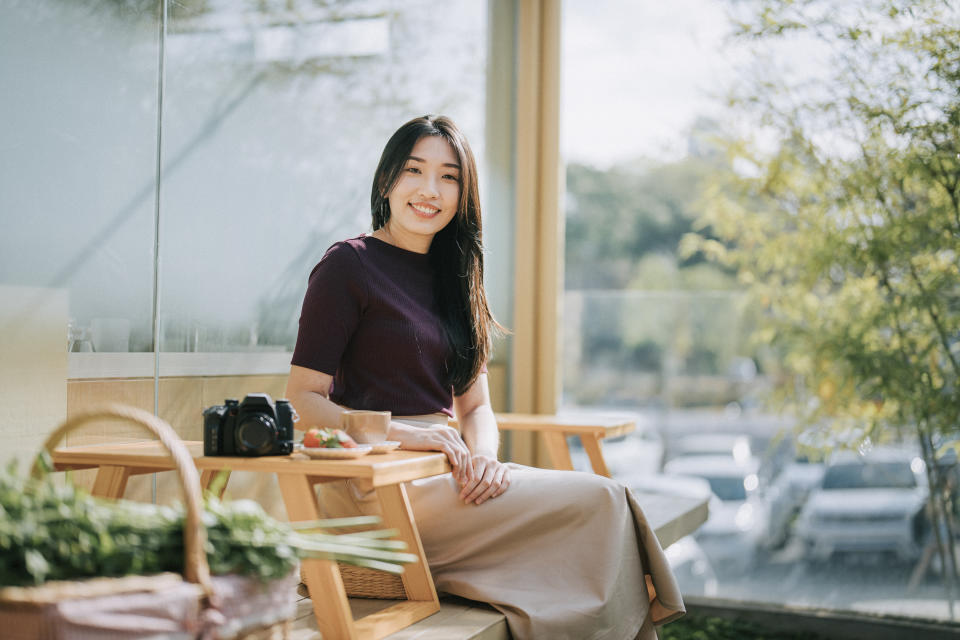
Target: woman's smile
{"type": "Point", "coordinates": [424, 209]}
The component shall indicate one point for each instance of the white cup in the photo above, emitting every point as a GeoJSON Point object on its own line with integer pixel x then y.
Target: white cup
{"type": "Point", "coordinates": [366, 427]}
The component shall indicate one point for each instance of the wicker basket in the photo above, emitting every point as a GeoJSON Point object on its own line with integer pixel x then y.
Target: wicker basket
{"type": "Point", "coordinates": [145, 606]}
{"type": "Point", "coordinates": [361, 582]}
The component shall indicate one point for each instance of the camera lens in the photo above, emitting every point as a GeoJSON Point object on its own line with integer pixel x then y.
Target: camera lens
{"type": "Point", "coordinates": [256, 434]}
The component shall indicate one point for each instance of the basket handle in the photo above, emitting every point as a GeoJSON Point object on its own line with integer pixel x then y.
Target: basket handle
{"type": "Point", "coordinates": [196, 568]}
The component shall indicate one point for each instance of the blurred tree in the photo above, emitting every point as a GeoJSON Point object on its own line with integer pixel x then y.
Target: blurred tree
{"type": "Point", "coordinates": [619, 216]}
{"type": "Point", "coordinates": [843, 217]}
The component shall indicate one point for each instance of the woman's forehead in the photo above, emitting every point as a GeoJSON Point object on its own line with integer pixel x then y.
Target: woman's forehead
{"type": "Point", "coordinates": [435, 149]}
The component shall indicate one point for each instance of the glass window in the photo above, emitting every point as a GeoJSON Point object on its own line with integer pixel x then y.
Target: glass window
{"type": "Point", "coordinates": [78, 125]}
{"type": "Point", "coordinates": [273, 125]}
{"type": "Point", "coordinates": [78, 121]}
{"type": "Point", "coordinates": [272, 121]}
{"type": "Point", "coordinates": [673, 336]}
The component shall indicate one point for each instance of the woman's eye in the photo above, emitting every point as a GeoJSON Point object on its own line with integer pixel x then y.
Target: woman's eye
{"type": "Point", "coordinates": [413, 169]}
{"type": "Point", "coordinates": [450, 177]}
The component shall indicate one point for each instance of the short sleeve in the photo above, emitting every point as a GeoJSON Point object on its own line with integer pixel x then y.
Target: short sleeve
{"type": "Point", "coordinates": [335, 299]}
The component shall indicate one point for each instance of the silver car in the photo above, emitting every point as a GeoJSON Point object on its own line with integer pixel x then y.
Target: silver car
{"type": "Point", "coordinates": [871, 502]}
{"type": "Point", "coordinates": [734, 532]}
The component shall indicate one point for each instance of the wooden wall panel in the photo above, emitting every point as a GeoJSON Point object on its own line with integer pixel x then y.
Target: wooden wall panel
{"type": "Point", "coordinates": [182, 401]}
{"type": "Point", "coordinates": [217, 389]}
{"type": "Point", "coordinates": [538, 271]}
{"type": "Point", "coordinates": [33, 369]}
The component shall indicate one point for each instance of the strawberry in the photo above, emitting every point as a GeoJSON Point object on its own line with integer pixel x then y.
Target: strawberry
{"type": "Point", "coordinates": [345, 440]}
{"type": "Point", "coordinates": [328, 439]}
{"type": "Point", "coordinates": [312, 438]}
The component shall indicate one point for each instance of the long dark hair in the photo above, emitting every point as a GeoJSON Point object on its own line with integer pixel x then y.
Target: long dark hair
{"type": "Point", "coordinates": [456, 253]}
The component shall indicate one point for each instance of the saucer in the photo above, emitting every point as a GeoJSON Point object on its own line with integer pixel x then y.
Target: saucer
{"type": "Point", "coordinates": [334, 453]}
{"type": "Point", "coordinates": [382, 447]}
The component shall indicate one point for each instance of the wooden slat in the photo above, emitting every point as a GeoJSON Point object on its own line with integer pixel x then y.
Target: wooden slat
{"type": "Point", "coordinates": [380, 470]}
{"type": "Point", "coordinates": [111, 482]}
{"type": "Point", "coordinates": [392, 619]}
{"type": "Point", "coordinates": [208, 476]}
{"type": "Point", "coordinates": [592, 445]}
{"type": "Point", "coordinates": [397, 514]}
{"type": "Point", "coordinates": [147, 454]}
{"type": "Point", "coordinates": [606, 427]}
{"type": "Point", "coordinates": [559, 450]}
{"type": "Point", "coordinates": [330, 605]}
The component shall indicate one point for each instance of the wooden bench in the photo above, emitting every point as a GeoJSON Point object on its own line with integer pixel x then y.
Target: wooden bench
{"type": "Point", "coordinates": [671, 515]}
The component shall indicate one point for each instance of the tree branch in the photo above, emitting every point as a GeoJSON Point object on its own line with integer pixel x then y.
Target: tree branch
{"type": "Point", "coordinates": [944, 342]}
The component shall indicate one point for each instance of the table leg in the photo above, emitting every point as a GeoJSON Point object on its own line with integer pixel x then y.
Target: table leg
{"type": "Point", "coordinates": [397, 514]}
{"type": "Point", "coordinates": [330, 605]}
{"type": "Point", "coordinates": [422, 595]}
{"type": "Point", "coordinates": [209, 476]}
{"type": "Point", "coordinates": [594, 449]}
{"type": "Point", "coordinates": [559, 451]}
{"type": "Point", "coordinates": [111, 481]}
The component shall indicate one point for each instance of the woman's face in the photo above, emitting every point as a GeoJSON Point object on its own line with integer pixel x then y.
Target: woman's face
{"type": "Point", "coordinates": [426, 195]}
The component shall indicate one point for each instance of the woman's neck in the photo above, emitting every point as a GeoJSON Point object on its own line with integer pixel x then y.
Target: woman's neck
{"type": "Point", "coordinates": [409, 242]}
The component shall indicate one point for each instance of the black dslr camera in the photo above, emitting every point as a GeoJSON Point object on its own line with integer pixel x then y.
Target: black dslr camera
{"type": "Point", "coordinates": [254, 427]}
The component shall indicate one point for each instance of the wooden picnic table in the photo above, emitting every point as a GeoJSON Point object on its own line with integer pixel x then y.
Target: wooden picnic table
{"type": "Point", "coordinates": [297, 475]}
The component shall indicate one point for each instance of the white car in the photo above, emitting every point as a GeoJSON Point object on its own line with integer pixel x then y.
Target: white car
{"type": "Point", "coordinates": [872, 502]}
{"type": "Point", "coordinates": [691, 568]}
{"type": "Point", "coordinates": [736, 527]}
{"type": "Point", "coordinates": [734, 445]}
{"type": "Point", "coordinates": [786, 494]}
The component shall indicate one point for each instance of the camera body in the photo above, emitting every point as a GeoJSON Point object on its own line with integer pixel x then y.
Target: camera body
{"type": "Point", "coordinates": [254, 427]}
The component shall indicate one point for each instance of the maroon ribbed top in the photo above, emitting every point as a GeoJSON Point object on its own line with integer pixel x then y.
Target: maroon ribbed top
{"type": "Point", "coordinates": [369, 319]}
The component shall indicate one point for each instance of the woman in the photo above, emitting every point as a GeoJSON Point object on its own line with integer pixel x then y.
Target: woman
{"type": "Point", "coordinates": [398, 320]}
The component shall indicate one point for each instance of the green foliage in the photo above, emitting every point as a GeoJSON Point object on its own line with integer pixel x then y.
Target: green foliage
{"type": "Point", "coordinates": [623, 223]}
{"type": "Point", "coordinates": [54, 531]}
{"type": "Point", "coordinates": [623, 227]}
{"type": "Point", "coordinates": [847, 230]}
{"type": "Point", "coordinates": [700, 627]}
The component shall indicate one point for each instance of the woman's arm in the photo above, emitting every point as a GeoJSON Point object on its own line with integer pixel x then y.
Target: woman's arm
{"type": "Point", "coordinates": [478, 426]}
{"type": "Point", "coordinates": [477, 422]}
{"type": "Point", "coordinates": [308, 391]}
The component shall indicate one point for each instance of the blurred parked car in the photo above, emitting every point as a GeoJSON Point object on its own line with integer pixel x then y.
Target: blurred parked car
{"type": "Point", "coordinates": [786, 494]}
{"type": "Point", "coordinates": [872, 502]}
{"type": "Point", "coordinates": [737, 524]}
{"type": "Point", "coordinates": [733, 445]}
{"type": "Point", "coordinates": [692, 568]}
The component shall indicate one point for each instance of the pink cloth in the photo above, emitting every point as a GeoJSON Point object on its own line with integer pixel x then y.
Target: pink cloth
{"type": "Point", "coordinates": [172, 612]}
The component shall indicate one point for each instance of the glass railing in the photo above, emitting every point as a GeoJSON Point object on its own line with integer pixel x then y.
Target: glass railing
{"type": "Point", "coordinates": [847, 531]}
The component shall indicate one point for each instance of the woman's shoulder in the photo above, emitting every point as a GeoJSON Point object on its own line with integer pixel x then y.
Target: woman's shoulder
{"type": "Point", "coordinates": [343, 258]}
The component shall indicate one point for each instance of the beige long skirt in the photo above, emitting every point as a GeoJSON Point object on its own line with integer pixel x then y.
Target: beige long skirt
{"type": "Point", "coordinates": [562, 554]}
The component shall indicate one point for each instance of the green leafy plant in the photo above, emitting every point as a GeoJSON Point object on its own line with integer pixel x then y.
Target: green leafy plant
{"type": "Point", "coordinates": [56, 531]}
{"type": "Point", "coordinates": [700, 627]}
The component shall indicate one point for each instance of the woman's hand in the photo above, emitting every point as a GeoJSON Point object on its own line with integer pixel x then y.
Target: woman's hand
{"type": "Point", "coordinates": [490, 479]}
{"type": "Point", "coordinates": [439, 438]}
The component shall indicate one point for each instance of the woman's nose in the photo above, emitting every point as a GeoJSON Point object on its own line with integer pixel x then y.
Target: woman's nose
{"type": "Point", "coordinates": [428, 187]}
